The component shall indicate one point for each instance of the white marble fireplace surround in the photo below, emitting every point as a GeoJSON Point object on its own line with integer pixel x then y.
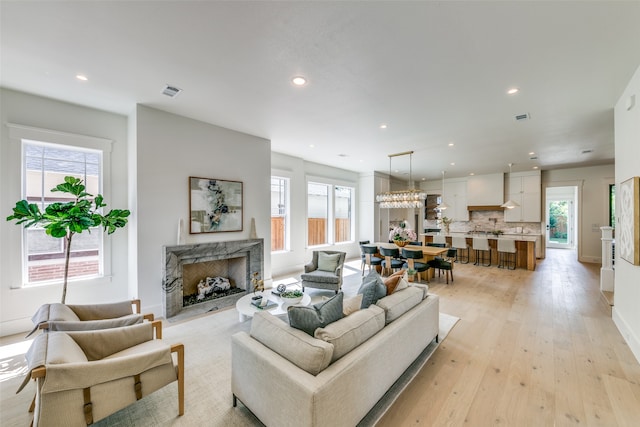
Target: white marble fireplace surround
{"type": "Point", "coordinates": [175, 257]}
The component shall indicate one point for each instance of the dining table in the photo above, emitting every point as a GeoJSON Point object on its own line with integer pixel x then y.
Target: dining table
{"type": "Point", "coordinates": [428, 252]}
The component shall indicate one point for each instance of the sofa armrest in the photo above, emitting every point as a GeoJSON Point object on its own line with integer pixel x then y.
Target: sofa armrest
{"type": "Point", "coordinates": [99, 344]}
{"type": "Point", "coordinates": [308, 268]}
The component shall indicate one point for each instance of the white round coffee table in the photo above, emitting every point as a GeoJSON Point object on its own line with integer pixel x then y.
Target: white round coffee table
{"type": "Point", "coordinates": [246, 310]}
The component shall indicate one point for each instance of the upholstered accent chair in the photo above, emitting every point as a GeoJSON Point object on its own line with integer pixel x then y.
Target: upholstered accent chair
{"type": "Point", "coordinates": [67, 317]}
{"type": "Point", "coordinates": [84, 376]}
{"type": "Point", "coordinates": [324, 271]}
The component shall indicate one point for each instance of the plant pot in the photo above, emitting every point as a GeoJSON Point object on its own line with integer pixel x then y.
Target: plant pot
{"type": "Point", "coordinates": [401, 243]}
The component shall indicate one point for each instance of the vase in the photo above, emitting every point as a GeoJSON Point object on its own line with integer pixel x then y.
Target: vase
{"type": "Point", "coordinates": [401, 243]}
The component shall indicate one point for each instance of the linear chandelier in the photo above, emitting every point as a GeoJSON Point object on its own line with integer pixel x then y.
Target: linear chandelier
{"type": "Point", "coordinates": [404, 199]}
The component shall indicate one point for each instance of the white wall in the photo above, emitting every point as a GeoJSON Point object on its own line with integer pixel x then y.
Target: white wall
{"type": "Point", "coordinates": [170, 149]}
{"type": "Point", "coordinates": [19, 304]}
{"type": "Point", "coordinates": [626, 309]}
{"type": "Point", "coordinates": [298, 171]}
{"type": "Point", "coordinates": [593, 204]}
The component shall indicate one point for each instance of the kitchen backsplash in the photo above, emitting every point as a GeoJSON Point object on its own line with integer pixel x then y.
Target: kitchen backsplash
{"type": "Point", "coordinates": [488, 221]}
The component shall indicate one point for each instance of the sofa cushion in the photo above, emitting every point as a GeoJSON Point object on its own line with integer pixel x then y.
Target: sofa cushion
{"type": "Point", "coordinates": [308, 319]}
{"type": "Point", "coordinates": [393, 281]}
{"type": "Point", "coordinates": [372, 289]}
{"type": "Point", "coordinates": [395, 305]}
{"type": "Point", "coordinates": [328, 262]}
{"type": "Point", "coordinates": [351, 304]}
{"type": "Point", "coordinates": [351, 331]}
{"type": "Point", "coordinates": [61, 348]}
{"type": "Point", "coordinates": [424, 288]}
{"type": "Point", "coordinates": [308, 353]}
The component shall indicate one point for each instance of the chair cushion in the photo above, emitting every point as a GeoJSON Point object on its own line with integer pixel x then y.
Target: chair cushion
{"type": "Point", "coordinates": [349, 332]}
{"type": "Point", "coordinates": [61, 348]}
{"type": "Point", "coordinates": [328, 262]}
{"type": "Point", "coordinates": [308, 353]}
{"type": "Point", "coordinates": [372, 289]}
{"type": "Point", "coordinates": [320, 276]}
{"type": "Point", "coordinates": [308, 319]}
{"type": "Point", "coordinates": [397, 304]}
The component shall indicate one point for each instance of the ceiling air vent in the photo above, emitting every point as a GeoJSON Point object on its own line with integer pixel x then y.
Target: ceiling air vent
{"type": "Point", "coordinates": [587, 151]}
{"type": "Point", "coordinates": [524, 116]}
{"type": "Point", "coordinates": [171, 91]}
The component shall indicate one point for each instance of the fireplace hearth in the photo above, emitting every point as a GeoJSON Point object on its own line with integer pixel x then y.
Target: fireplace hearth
{"type": "Point", "coordinates": [187, 265]}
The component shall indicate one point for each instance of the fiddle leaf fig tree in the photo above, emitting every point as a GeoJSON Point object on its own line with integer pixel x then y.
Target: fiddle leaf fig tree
{"type": "Point", "coordinates": [66, 219]}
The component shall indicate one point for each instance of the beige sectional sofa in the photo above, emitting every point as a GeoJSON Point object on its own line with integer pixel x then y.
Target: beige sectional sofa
{"type": "Point", "coordinates": [289, 378]}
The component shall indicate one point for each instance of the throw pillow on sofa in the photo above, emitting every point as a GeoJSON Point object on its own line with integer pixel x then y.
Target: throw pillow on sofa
{"type": "Point", "coordinates": [308, 319]}
{"type": "Point", "coordinates": [372, 289]}
{"type": "Point", "coordinates": [392, 282]}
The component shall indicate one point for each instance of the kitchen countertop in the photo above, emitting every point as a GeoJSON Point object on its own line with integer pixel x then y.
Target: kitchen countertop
{"type": "Point", "coordinates": [525, 237]}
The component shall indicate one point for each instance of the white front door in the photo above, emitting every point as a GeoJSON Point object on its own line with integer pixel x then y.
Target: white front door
{"type": "Point", "coordinates": [560, 217]}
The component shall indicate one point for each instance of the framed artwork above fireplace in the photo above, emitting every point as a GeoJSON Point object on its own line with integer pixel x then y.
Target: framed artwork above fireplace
{"type": "Point", "coordinates": [215, 205]}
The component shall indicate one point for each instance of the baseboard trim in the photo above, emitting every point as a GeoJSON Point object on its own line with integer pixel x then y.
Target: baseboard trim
{"type": "Point", "coordinates": [17, 326]}
{"type": "Point", "coordinates": [627, 334]}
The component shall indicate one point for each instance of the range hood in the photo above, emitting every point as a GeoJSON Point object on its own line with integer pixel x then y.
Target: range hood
{"type": "Point", "coordinates": [485, 208]}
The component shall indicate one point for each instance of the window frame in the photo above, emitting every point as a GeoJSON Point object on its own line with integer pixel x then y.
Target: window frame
{"type": "Point", "coordinates": [332, 184]}
{"type": "Point", "coordinates": [18, 133]}
{"type": "Point", "coordinates": [287, 212]}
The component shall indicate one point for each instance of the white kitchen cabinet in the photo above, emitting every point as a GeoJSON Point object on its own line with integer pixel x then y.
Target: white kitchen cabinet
{"type": "Point", "coordinates": [485, 190]}
{"type": "Point", "coordinates": [455, 195]}
{"type": "Point", "coordinates": [524, 188]}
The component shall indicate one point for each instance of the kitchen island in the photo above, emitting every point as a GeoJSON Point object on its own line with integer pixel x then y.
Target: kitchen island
{"type": "Point", "coordinates": [525, 245]}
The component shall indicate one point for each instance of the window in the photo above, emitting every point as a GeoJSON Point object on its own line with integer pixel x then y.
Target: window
{"type": "Point", "coordinates": [343, 214]}
{"type": "Point", "coordinates": [612, 205]}
{"type": "Point", "coordinates": [330, 212]}
{"type": "Point", "coordinates": [44, 166]}
{"type": "Point", "coordinates": [279, 214]}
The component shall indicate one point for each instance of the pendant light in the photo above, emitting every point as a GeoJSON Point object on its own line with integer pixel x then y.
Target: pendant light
{"type": "Point", "coordinates": [442, 206]}
{"type": "Point", "coordinates": [510, 204]}
{"type": "Point", "coordinates": [410, 198]}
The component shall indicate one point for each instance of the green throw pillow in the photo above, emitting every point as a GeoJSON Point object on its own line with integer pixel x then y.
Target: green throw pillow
{"type": "Point", "coordinates": [328, 262]}
{"type": "Point", "coordinates": [308, 319]}
{"type": "Point", "coordinates": [372, 289]}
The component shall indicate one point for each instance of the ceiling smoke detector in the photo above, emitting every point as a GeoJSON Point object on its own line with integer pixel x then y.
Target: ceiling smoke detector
{"type": "Point", "coordinates": [524, 116]}
{"type": "Point", "coordinates": [171, 91]}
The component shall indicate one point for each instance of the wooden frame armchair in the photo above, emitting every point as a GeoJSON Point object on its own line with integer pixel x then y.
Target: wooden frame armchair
{"type": "Point", "coordinates": [84, 376]}
{"type": "Point", "coordinates": [68, 317]}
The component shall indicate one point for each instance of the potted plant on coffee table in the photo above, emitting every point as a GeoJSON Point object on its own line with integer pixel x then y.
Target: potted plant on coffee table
{"type": "Point", "coordinates": [66, 219]}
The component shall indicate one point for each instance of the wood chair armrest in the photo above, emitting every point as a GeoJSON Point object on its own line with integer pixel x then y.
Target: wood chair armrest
{"type": "Point", "coordinates": [157, 328]}
{"type": "Point", "coordinates": [136, 304]}
{"type": "Point", "coordinates": [179, 350]}
{"type": "Point", "coordinates": [149, 316]}
{"type": "Point", "coordinates": [38, 372]}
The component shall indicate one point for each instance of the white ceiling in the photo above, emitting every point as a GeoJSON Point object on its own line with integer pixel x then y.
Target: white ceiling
{"type": "Point", "coordinates": [435, 72]}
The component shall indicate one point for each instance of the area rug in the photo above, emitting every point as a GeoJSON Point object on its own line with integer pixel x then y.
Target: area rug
{"type": "Point", "coordinates": [207, 341]}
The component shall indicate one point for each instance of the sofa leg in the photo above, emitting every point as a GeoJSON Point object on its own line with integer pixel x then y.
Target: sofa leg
{"type": "Point", "coordinates": [235, 401]}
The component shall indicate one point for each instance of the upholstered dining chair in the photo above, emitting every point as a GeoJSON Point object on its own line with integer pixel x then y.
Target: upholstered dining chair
{"type": "Point", "coordinates": [84, 376]}
{"type": "Point", "coordinates": [362, 254]}
{"type": "Point", "coordinates": [391, 261]}
{"type": "Point", "coordinates": [445, 263]}
{"type": "Point", "coordinates": [69, 317]}
{"type": "Point", "coordinates": [370, 258]}
{"type": "Point", "coordinates": [411, 256]}
{"type": "Point", "coordinates": [324, 271]}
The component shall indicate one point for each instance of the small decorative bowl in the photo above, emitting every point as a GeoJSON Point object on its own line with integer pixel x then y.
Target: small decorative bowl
{"type": "Point", "coordinates": [292, 297]}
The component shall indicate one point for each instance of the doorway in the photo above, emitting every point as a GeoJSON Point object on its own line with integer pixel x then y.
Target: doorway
{"type": "Point", "coordinates": [561, 217]}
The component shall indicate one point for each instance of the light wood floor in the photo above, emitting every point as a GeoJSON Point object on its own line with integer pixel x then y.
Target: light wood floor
{"type": "Point", "coordinates": [531, 349]}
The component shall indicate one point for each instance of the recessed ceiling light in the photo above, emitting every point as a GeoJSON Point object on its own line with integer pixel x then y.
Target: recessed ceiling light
{"type": "Point", "coordinates": [81, 77]}
{"type": "Point", "coordinates": [471, 173]}
{"type": "Point", "coordinates": [424, 179]}
{"type": "Point", "coordinates": [452, 164]}
{"type": "Point", "coordinates": [513, 91]}
{"type": "Point", "coordinates": [383, 126]}
{"type": "Point", "coordinates": [531, 153]}
{"type": "Point", "coordinates": [451, 144]}
{"type": "Point", "coordinates": [299, 81]}
{"type": "Point", "coordinates": [535, 167]}
{"type": "Point", "coordinates": [311, 145]}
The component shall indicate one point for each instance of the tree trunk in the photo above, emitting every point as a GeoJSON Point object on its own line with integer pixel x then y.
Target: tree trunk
{"type": "Point", "coordinates": [66, 265]}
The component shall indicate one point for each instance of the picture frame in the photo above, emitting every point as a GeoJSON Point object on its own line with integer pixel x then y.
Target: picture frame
{"type": "Point", "coordinates": [215, 205]}
{"type": "Point", "coordinates": [628, 222]}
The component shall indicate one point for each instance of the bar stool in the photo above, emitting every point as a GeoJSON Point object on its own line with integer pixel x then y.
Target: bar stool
{"type": "Point", "coordinates": [391, 259]}
{"type": "Point", "coordinates": [462, 249]}
{"type": "Point", "coordinates": [439, 238]}
{"type": "Point", "coordinates": [481, 246]}
{"type": "Point", "coordinates": [370, 259]}
{"type": "Point", "coordinates": [507, 253]}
